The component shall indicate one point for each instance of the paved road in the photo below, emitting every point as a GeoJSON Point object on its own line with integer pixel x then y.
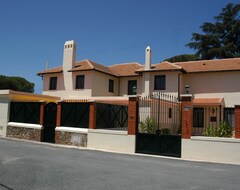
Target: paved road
{"type": "Point", "coordinates": [31, 166]}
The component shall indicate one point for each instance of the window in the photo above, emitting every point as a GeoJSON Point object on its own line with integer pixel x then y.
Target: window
{"type": "Point", "coordinates": [160, 82]}
{"type": "Point", "coordinates": [80, 82]}
{"type": "Point", "coordinates": [132, 87]}
{"type": "Point", "coordinates": [53, 83]}
{"type": "Point", "coordinates": [110, 85]}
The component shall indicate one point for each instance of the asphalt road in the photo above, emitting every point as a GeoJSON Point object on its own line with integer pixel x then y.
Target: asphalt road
{"type": "Point", "coordinates": [31, 166]}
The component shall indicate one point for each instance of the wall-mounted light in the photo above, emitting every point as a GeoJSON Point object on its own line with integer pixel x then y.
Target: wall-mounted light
{"type": "Point", "coordinates": [187, 88]}
{"type": "Point", "coordinates": [134, 90]}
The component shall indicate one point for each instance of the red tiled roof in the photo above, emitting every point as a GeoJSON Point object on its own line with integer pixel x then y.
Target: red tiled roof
{"type": "Point", "coordinates": [131, 69]}
{"type": "Point", "coordinates": [90, 65]}
{"type": "Point", "coordinates": [50, 71]}
{"type": "Point", "coordinates": [126, 69]}
{"type": "Point", "coordinates": [207, 101]}
{"type": "Point", "coordinates": [215, 65]}
{"type": "Point", "coordinates": [163, 66]}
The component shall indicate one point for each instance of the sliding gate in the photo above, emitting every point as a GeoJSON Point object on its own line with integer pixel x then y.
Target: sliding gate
{"type": "Point", "coordinates": [159, 125]}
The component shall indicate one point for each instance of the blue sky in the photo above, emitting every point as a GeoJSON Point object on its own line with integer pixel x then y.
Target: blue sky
{"type": "Point", "coordinates": [106, 31]}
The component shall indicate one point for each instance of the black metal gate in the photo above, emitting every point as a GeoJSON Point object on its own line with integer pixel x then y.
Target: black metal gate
{"type": "Point", "coordinates": [49, 122]}
{"type": "Point", "coordinates": [159, 125]}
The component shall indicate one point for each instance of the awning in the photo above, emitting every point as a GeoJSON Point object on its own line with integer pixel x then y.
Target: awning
{"type": "Point", "coordinates": [207, 101]}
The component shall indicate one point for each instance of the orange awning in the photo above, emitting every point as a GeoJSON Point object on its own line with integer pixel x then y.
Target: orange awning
{"type": "Point", "coordinates": [207, 101]}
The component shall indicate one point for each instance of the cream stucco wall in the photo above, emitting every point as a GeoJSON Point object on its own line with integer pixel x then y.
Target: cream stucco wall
{"type": "Point", "coordinates": [75, 93]}
{"type": "Point", "coordinates": [95, 84]}
{"type": "Point", "coordinates": [101, 84]}
{"type": "Point", "coordinates": [4, 114]}
{"type": "Point", "coordinates": [124, 85]}
{"type": "Point", "coordinates": [218, 82]}
{"type": "Point", "coordinates": [211, 149]}
{"type": "Point", "coordinates": [171, 81]}
{"type": "Point", "coordinates": [213, 85]}
{"type": "Point", "coordinates": [117, 141]}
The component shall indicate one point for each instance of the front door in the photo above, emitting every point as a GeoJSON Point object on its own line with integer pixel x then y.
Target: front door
{"type": "Point", "coordinates": [49, 122]}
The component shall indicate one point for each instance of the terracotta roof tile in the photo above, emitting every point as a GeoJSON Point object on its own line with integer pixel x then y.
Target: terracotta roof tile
{"type": "Point", "coordinates": [126, 69]}
{"type": "Point", "coordinates": [211, 65]}
{"type": "Point", "coordinates": [50, 71]}
{"type": "Point", "coordinates": [90, 65]}
{"type": "Point", "coordinates": [207, 101]}
{"type": "Point", "coordinates": [163, 66]}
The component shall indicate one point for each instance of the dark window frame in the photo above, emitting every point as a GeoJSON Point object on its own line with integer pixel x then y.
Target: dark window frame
{"type": "Point", "coordinates": [111, 85]}
{"type": "Point", "coordinates": [53, 83]}
{"type": "Point", "coordinates": [132, 83]}
{"type": "Point", "coordinates": [160, 82]}
{"type": "Point", "coordinates": [80, 80]}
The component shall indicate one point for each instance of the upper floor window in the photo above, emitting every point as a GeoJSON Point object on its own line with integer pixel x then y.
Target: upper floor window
{"type": "Point", "coordinates": [80, 81]}
{"type": "Point", "coordinates": [160, 82]}
{"type": "Point", "coordinates": [111, 85]}
{"type": "Point", "coordinates": [53, 83]}
{"type": "Point", "coordinates": [132, 87]}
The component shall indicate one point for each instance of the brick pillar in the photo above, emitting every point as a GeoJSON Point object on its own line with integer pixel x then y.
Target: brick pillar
{"type": "Point", "coordinates": [187, 116]}
{"type": "Point", "coordinates": [132, 115]}
{"type": "Point", "coordinates": [41, 113]}
{"type": "Point", "coordinates": [237, 121]}
{"type": "Point", "coordinates": [58, 119]}
{"type": "Point", "coordinates": [92, 115]}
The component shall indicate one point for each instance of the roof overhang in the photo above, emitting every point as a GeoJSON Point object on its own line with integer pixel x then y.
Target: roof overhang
{"type": "Point", "coordinates": [208, 101]}
{"type": "Point", "coordinates": [16, 96]}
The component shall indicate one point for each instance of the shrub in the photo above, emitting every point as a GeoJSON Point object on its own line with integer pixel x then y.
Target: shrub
{"type": "Point", "coordinates": [224, 130]}
{"type": "Point", "coordinates": [149, 125]}
{"type": "Point", "coordinates": [165, 131]}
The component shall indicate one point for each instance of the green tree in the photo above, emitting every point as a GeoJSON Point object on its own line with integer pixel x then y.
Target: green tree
{"type": "Point", "coordinates": [183, 57]}
{"type": "Point", "coordinates": [16, 83]}
{"type": "Point", "coordinates": [220, 39]}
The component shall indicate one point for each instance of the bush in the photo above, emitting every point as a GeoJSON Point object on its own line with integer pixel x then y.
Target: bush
{"type": "Point", "coordinates": [149, 125]}
{"type": "Point", "coordinates": [165, 131]}
{"type": "Point", "coordinates": [224, 130]}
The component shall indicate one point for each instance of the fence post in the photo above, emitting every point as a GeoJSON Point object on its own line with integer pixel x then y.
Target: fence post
{"type": "Point", "coordinates": [132, 115]}
{"type": "Point", "coordinates": [92, 115]}
{"type": "Point", "coordinates": [41, 112]}
{"type": "Point", "coordinates": [59, 109]}
{"type": "Point", "coordinates": [237, 121]}
{"type": "Point", "coordinates": [187, 116]}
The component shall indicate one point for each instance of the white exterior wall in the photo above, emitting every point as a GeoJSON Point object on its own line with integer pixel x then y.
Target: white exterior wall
{"type": "Point", "coordinates": [213, 85]}
{"type": "Point", "coordinates": [117, 141]}
{"type": "Point", "coordinates": [4, 114]}
{"type": "Point", "coordinates": [124, 85]}
{"type": "Point", "coordinates": [69, 59]}
{"type": "Point", "coordinates": [101, 85]}
{"type": "Point", "coordinates": [171, 82]}
{"type": "Point", "coordinates": [212, 149]}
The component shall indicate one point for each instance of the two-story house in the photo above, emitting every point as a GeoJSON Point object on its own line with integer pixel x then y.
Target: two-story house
{"type": "Point", "coordinates": [214, 84]}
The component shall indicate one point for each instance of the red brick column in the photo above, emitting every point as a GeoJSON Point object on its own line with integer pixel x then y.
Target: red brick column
{"type": "Point", "coordinates": [187, 117]}
{"type": "Point", "coordinates": [41, 113]}
{"type": "Point", "coordinates": [132, 115]}
{"type": "Point", "coordinates": [237, 121]}
{"type": "Point", "coordinates": [92, 115]}
{"type": "Point", "coordinates": [58, 119]}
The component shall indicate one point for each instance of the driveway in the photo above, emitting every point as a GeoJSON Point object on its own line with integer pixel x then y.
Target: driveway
{"type": "Point", "coordinates": [33, 166]}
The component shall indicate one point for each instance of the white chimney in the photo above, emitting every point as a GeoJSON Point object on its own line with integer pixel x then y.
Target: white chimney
{"type": "Point", "coordinates": [148, 58]}
{"type": "Point", "coordinates": [69, 59]}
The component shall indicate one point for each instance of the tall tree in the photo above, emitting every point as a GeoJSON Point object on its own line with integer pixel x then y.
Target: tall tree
{"type": "Point", "coordinates": [220, 39]}
{"type": "Point", "coordinates": [16, 83]}
{"type": "Point", "coordinates": [183, 57]}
